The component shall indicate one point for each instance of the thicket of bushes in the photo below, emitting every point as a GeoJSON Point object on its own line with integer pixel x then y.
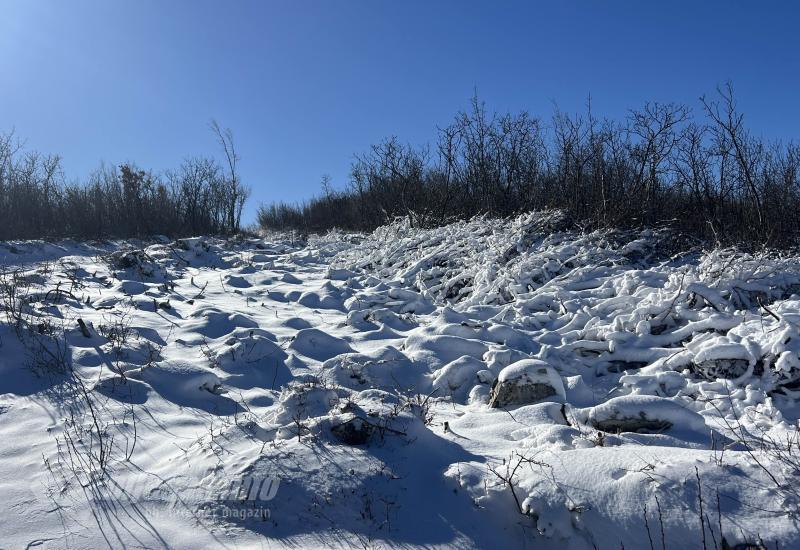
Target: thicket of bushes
{"type": "Point", "coordinates": [706, 175]}
{"type": "Point", "coordinates": [200, 197]}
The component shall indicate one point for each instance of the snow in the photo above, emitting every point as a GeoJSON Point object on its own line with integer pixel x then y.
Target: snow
{"type": "Point", "coordinates": [357, 373]}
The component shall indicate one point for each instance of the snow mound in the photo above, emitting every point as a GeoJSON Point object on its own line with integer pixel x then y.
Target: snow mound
{"type": "Point", "coordinates": [458, 377]}
{"type": "Point", "coordinates": [318, 345]}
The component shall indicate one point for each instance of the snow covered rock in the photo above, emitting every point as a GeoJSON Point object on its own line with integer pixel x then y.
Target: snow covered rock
{"type": "Point", "coordinates": [720, 357]}
{"type": "Point", "coordinates": [644, 414]}
{"type": "Point", "coordinates": [290, 279]}
{"type": "Point", "coordinates": [237, 282]}
{"type": "Point", "coordinates": [126, 259]}
{"type": "Point", "coordinates": [355, 431]}
{"type": "Point", "coordinates": [526, 381]}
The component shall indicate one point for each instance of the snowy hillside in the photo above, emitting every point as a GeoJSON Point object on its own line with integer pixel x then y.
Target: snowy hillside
{"type": "Point", "coordinates": [491, 384]}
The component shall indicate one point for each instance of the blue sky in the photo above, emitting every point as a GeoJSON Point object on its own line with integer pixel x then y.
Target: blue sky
{"type": "Point", "coordinates": [305, 84]}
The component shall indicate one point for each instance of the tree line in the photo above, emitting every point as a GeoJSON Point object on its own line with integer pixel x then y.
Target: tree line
{"type": "Point", "coordinates": [201, 196]}
{"type": "Point", "coordinates": [703, 173]}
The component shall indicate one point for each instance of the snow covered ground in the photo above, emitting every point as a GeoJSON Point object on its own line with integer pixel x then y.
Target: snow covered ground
{"type": "Point", "coordinates": [492, 384]}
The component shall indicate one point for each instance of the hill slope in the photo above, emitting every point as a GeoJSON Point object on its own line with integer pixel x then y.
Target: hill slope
{"type": "Point", "coordinates": [491, 383]}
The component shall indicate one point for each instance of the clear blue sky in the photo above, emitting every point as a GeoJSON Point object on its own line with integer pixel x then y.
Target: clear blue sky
{"type": "Point", "coordinates": [305, 84]}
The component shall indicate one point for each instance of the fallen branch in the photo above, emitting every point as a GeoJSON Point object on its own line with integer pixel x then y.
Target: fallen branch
{"type": "Point", "coordinates": [765, 308]}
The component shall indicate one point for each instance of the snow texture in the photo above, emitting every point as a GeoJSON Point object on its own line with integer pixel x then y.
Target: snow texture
{"type": "Point", "coordinates": [491, 384]}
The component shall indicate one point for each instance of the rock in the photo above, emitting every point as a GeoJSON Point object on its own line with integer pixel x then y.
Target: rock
{"type": "Point", "coordinates": [644, 414]}
{"type": "Point", "coordinates": [721, 357]}
{"type": "Point", "coordinates": [636, 424]}
{"type": "Point", "coordinates": [355, 431]}
{"type": "Point", "coordinates": [722, 368]}
{"type": "Point", "coordinates": [126, 259]}
{"type": "Point", "coordinates": [525, 381]}
{"type": "Point", "coordinates": [138, 260]}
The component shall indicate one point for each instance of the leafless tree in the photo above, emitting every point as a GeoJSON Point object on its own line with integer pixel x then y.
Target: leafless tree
{"type": "Point", "coordinates": [660, 165]}
{"type": "Point", "coordinates": [235, 192]}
